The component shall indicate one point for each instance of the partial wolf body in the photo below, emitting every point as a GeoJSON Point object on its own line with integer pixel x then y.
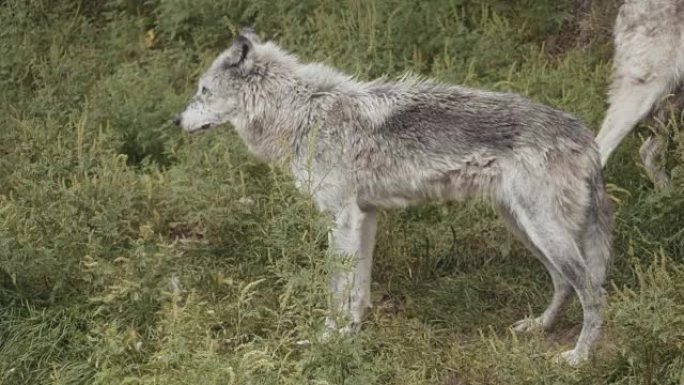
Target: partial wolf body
{"type": "Point", "coordinates": [648, 67]}
{"type": "Point", "coordinates": [357, 147]}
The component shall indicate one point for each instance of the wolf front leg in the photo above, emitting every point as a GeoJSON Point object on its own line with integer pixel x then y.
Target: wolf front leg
{"type": "Point", "coordinates": [352, 239]}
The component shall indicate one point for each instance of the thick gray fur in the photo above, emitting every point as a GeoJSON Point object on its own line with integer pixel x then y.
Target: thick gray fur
{"type": "Point", "coordinates": [648, 70]}
{"type": "Point", "coordinates": [359, 146]}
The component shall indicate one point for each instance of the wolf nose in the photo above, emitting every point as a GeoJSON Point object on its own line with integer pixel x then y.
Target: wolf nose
{"type": "Point", "coordinates": [177, 120]}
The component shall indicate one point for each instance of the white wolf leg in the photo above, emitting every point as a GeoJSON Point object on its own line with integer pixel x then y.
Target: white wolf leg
{"type": "Point", "coordinates": [556, 242]}
{"type": "Point", "coordinates": [650, 152]}
{"type": "Point", "coordinates": [353, 236]}
{"type": "Point", "coordinates": [630, 103]}
{"type": "Point", "coordinates": [561, 293]}
{"type": "Point", "coordinates": [561, 288]}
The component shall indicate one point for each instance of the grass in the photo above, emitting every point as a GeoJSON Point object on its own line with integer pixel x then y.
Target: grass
{"type": "Point", "coordinates": [133, 254]}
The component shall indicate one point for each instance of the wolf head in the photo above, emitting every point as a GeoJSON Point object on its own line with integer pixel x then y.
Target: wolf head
{"type": "Point", "coordinates": [222, 88]}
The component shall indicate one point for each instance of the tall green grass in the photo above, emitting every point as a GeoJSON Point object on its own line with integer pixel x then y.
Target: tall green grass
{"type": "Point", "coordinates": [130, 253]}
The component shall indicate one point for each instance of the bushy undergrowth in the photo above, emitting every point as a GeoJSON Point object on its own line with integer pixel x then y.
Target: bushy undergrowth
{"type": "Point", "coordinates": [130, 253]}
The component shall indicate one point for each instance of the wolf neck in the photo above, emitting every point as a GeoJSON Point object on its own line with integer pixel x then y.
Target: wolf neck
{"type": "Point", "coordinates": [273, 124]}
{"type": "Point", "coordinates": [277, 121]}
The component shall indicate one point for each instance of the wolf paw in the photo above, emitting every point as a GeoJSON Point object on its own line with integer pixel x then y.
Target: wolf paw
{"type": "Point", "coordinates": [572, 357]}
{"type": "Point", "coordinates": [528, 325]}
{"type": "Point", "coordinates": [331, 328]}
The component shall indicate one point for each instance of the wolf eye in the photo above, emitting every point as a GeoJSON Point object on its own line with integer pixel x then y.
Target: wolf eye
{"type": "Point", "coordinates": [204, 91]}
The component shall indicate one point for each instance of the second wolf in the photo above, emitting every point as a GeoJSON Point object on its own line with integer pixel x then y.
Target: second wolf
{"type": "Point", "coordinates": [359, 146]}
{"type": "Point", "coordinates": [648, 68]}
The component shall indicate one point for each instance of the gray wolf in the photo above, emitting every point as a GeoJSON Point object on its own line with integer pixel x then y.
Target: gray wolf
{"type": "Point", "coordinates": [359, 146]}
{"type": "Point", "coordinates": [648, 69]}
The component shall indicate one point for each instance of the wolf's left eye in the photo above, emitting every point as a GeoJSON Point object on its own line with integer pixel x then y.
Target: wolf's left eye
{"type": "Point", "coordinates": [204, 90]}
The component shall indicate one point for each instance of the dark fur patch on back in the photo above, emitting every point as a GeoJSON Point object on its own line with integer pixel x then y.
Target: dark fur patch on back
{"type": "Point", "coordinates": [468, 128]}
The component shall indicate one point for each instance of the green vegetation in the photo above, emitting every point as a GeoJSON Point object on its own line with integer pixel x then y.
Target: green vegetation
{"type": "Point", "coordinates": [105, 207]}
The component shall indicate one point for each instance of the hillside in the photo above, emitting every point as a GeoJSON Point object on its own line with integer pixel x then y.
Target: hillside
{"type": "Point", "coordinates": [131, 253]}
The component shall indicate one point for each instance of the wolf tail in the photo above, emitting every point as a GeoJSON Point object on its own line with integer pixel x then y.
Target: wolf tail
{"type": "Point", "coordinates": [597, 238]}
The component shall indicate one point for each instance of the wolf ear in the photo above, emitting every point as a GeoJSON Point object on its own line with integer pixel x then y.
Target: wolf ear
{"type": "Point", "coordinates": [249, 33]}
{"type": "Point", "coordinates": [239, 54]}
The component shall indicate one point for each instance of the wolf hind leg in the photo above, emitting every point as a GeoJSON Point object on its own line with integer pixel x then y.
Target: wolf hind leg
{"type": "Point", "coordinates": [650, 152]}
{"type": "Point", "coordinates": [653, 151]}
{"type": "Point", "coordinates": [562, 290]}
{"type": "Point", "coordinates": [557, 243]}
